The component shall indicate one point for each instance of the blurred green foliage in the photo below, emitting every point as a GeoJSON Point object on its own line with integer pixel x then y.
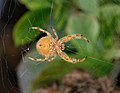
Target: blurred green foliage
{"type": "Point", "coordinates": [22, 34]}
{"type": "Point", "coordinates": [98, 20]}
{"type": "Point", "coordinates": [87, 5]}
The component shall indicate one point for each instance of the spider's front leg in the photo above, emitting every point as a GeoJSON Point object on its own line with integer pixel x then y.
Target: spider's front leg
{"type": "Point", "coordinates": [55, 33]}
{"type": "Point", "coordinates": [38, 59]}
{"type": "Point", "coordinates": [70, 37]}
{"type": "Point", "coordinates": [64, 56]}
{"type": "Point", "coordinates": [40, 29]}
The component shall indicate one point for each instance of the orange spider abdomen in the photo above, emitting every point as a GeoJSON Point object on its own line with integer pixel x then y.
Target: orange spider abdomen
{"type": "Point", "coordinates": [43, 45]}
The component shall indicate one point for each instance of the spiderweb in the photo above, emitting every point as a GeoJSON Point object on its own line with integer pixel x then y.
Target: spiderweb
{"type": "Point", "coordinates": [27, 70]}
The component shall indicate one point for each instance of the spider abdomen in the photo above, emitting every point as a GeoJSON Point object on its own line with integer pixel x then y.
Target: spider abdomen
{"type": "Point", "coordinates": [44, 45]}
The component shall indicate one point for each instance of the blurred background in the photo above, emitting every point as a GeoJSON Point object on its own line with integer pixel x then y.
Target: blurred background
{"type": "Point", "coordinates": [10, 12]}
{"type": "Point", "coordinates": [98, 20]}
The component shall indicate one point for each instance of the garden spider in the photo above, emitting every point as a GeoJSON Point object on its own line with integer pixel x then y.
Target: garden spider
{"type": "Point", "coordinates": [48, 46]}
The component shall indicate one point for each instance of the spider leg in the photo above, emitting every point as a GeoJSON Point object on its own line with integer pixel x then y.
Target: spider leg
{"type": "Point", "coordinates": [40, 29]}
{"type": "Point", "coordinates": [64, 56]}
{"type": "Point", "coordinates": [54, 56]}
{"type": "Point", "coordinates": [38, 59]}
{"type": "Point", "coordinates": [70, 37]}
{"type": "Point", "coordinates": [55, 33]}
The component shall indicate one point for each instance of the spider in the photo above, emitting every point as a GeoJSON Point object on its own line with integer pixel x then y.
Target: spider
{"type": "Point", "coordinates": [49, 46]}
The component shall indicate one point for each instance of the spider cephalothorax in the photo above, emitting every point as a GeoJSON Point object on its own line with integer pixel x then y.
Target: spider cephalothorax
{"type": "Point", "coordinates": [48, 46]}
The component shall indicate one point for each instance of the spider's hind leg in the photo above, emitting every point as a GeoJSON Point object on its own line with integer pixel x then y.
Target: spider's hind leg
{"type": "Point", "coordinates": [70, 37]}
{"type": "Point", "coordinates": [52, 58]}
{"type": "Point", "coordinates": [66, 39]}
{"type": "Point", "coordinates": [64, 56]}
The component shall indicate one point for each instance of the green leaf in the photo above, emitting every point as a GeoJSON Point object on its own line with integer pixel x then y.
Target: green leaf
{"type": "Point", "coordinates": [21, 34]}
{"type": "Point", "coordinates": [108, 12]}
{"type": "Point", "coordinates": [87, 26]}
{"type": "Point", "coordinates": [109, 18]}
{"type": "Point", "coordinates": [112, 53]}
{"type": "Point", "coordinates": [104, 2]}
{"type": "Point", "coordinates": [61, 15]}
{"type": "Point", "coordinates": [36, 4]}
{"type": "Point", "coordinates": [88, 6]}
